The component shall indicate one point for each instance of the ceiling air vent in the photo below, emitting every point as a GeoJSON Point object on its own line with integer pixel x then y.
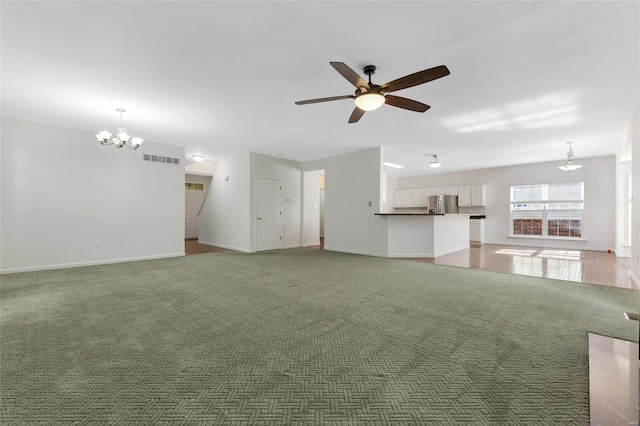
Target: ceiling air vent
{"type": "Point", "coordinates": [160, 159]}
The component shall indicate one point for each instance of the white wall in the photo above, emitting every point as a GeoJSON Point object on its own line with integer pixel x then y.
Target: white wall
{"type": "Point", "coordinates": [289, 173]}
{"type": "Point", "coordinates": [352, 181]}
{"type": "Point", "coordinates": [389, 184]}
{"type": "Point", "coordinates": [224, 220]}
{"type": "Point", "coordinates": [623, 241]}
{"type": "Point", "coordinates": [634, 135]}
{"type": "Point", "coordinates": [598, 174]}
{"type": "Point", "coordinates": [311, 203]}
{"type": "Point", "coordinates": [63, 193]}
{"type": "Point", "coordinates": [228, 216]}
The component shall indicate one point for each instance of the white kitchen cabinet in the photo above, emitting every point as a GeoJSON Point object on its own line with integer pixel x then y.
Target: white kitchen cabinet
{"type": "Point", "coordinates": [451, 190]}
{"type": "Point", "coordinates": [477, 195]}
{"type": "Point", "coordinates": [407, 198]}
{"type": "Point", "coordinates": [464, 195]}
{"type": "Point", "coordinates": [437, 191]}
{"type": "Point", "coordinates": [476, 231]}
{"type": "Point", "coordinates": [399, 197]}
{"type": "Point", "coordinates": [416, 198]}
{"type": "Point", "coordinates": [471, 195]}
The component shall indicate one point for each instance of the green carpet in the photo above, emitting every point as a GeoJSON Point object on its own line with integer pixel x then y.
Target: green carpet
{"type": "Point", "coordinates": [299, 337]}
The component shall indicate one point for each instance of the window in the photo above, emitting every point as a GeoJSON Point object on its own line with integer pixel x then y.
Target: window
{"type": "Point", "coordinates": [194, 186]}
{"type": "Point", "coordinates": [547, 210]}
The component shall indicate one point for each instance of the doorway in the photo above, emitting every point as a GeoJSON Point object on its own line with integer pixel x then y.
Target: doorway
{"type": "Point", "coordinates": [195, 190]}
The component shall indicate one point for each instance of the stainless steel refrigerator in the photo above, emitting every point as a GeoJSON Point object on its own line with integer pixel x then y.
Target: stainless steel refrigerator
{"type": "Point", "coordinates": [443, 204]}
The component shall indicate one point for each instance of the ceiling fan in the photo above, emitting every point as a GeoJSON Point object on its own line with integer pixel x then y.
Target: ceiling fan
{"type": "Point", "coordinates": [369, 96]}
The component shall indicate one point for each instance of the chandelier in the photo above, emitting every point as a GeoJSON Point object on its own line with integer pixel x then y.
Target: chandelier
{"type": "Point", "coordinates": [121, 139]}
{"type": "Point", "coordinates": [568, 166]}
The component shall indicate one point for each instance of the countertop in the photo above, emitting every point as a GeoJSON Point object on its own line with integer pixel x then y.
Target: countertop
{"type": "Point", "coordinates": [409, 214]}
{"type": "Point", "coordinates": [477, 216]}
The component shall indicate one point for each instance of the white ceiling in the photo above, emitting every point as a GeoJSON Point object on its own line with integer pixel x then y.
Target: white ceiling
{"type": "Point", "coordinates": [221, 78]}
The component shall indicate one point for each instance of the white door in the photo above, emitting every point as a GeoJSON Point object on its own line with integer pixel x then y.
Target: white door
{"type": "Point", "coordinates": [268, 215]}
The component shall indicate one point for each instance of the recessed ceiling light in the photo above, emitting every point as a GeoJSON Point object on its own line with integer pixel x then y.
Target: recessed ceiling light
{"type": "Point", "coordinates": [198, 158]}
{"type": "Point", "coordinates": [394, 165]}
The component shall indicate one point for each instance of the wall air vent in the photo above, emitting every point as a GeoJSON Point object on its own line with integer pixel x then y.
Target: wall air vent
{"type": "Point", "coordinates": [160, 159]}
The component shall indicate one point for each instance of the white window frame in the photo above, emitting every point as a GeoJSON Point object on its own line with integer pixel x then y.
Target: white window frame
{"type": "Point", "coordinates": [545, 202]}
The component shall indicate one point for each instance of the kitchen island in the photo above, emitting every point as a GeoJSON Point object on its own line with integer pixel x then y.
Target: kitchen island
{"type": "Point", "coordinates": [425, 234]}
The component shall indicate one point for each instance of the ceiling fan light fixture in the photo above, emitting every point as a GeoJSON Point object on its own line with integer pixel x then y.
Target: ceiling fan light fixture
{"type": "Point", "coordinates": [434, 163]}
{"type": "Point", "coordinates": [198, 158]}
{"type": "Point", "coordinates": [369, 101]}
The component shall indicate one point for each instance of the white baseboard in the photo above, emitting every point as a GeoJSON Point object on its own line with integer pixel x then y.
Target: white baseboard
{"type": "Point", "coordinates": [365, 253]}
{"type": "Point", "coordinates": [90, 263]}
{"type": "Point", "coordinates": [224, 246]}
{"type": "Point", "coordinates": [426, 255]}
{"type": "Point", "coordinates": [291, 246]}
{"type": "Point", "coordinates": [442, 253]}
{"type": "Point", "coordinates": [541, 244]}
{"type": "Point", "coordinates": [411, 255]}
{"type": "Point", "coordinates": [310, 244]}
{"type": "Point", "coordinates": [635, 279]}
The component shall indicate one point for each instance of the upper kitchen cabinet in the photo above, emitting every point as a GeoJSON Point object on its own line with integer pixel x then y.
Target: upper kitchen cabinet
{"type": "Point", "coordinates": [451, 190]}
{"type": "Point", "coordinates": [402, 198]}
{"type": "Point", "coordinates": [471, 195]}
{"type": "Point", "coordinates": [418, 198]}
{"type": "Point", "coordinates": [409, 198]}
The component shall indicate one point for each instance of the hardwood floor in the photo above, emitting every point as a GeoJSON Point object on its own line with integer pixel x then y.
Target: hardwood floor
{"type": "Point", "coordinates": [571, 265]}
{"type": "Point", "coordinates": [192, 247]}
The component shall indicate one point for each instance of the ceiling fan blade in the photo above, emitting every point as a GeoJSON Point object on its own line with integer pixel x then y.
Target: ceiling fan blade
{"type": "Point", "coordinates": [351, 76]}
{"type": "Point", "coordinates": [415, 79]}
{"type": "Point", "coordinates": [356, 115]}
{"type": "Point", "coordinates": [405, 103]}
{"type": "Point", "coordinates": [332, 98]}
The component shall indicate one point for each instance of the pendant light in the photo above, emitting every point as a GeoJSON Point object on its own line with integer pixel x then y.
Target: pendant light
{"type": "Point", "coordinates": [569, 166]}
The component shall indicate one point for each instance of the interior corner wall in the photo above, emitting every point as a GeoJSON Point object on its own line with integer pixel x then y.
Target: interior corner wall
{"type": "Point", "coordinates": [598, 174]}
{"type": "Point", "coordinates": [634, 134]}
{"type": "Point", "coordinates": [224, 217]}
{"type": "Point", "coordinates": [352, 182]}
{"type": "Point", "coordinates": [69, 201]}
{"type": "Point", "coordinates": [289, 173]}
{"type": "Point", "coordinates": [623, 243]}
{"type": "Point", "coordinates": [311, 208]}
{"type": "Point", "coordinates": [390, 183]}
